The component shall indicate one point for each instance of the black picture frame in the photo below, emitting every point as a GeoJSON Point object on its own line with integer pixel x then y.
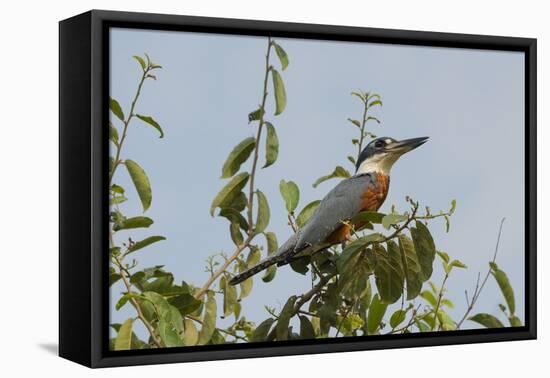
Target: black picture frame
{"type": "Point", "coordinates": [83, 152]}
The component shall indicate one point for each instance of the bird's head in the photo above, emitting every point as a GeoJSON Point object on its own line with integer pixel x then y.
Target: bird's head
{"type": "Point", "coordinates": [380, 154]}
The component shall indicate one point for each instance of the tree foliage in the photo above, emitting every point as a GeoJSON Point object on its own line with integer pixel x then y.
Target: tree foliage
{"type": "Point", "coordinates": [390, 260]}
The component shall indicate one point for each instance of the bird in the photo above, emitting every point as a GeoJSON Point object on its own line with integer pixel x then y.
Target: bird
{"type": "Point", "coordinates": [330, 224]}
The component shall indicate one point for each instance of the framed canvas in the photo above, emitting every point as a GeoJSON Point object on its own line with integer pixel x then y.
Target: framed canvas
{"type": "Point", "coordinates": [225, 188]}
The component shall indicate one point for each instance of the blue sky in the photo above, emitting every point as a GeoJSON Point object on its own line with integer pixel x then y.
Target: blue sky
{"type": "Point", "coordinates": [469, 102]}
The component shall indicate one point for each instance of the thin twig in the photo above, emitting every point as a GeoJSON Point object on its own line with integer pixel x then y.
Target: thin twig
{"type": "Point", "coordinates": [343, 319]}
{"type": "Point", "coordinates": [135, 303]}
{"type": "Point", "coordinates": [126, 124]}
{"type": "Point", "coordinates": [412, 320]}
{"type": "Point", "coordinates": [363, 123]}
{"type": "Point", "coordinates": [194, 318]}
{"type": "Point", "coordinates": [478, 289]}
{"type": "Point", "coordinates": [439, 297]}
{"type": "Point", "coordinates": [223, 268]}
{"type": "Point", "coordinates": [292, 223]}
{"type": "Point", "coordinates": [257, 145]}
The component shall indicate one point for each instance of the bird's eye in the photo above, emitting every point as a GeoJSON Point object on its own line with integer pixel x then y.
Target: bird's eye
{"type": "Point", "coordinates": [378, 144]}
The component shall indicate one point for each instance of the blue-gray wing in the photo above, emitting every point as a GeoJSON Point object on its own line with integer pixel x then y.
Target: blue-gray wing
{"type": "Point", "coordinates": [340, 204]}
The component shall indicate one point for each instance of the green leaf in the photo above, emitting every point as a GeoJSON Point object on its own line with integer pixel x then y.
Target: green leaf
{"type": "Point", "coordinates": [148, 310]}
{"type": "Point", "coordinates": [388, 272]}
{"type": "Point", "coordinates": [161, 285]}
{"type": "Point", "coordinates": [161, 305]}
{"type": "Point", "coordinates": [123, 339]}
{"type": "Point", "coordinates": [134, 222]}
{"type": "Point", "coordinates": [339, 172]}
{"type": "Point", "coordinates": [141, 182]}
{"type": "Point", "coordinates": [269, 274]}
{"type": "Point", "coordinates": [377, 309]}
{"type": "Point", "coordinates": [350, 323]}
{"type": "Point", "coordinates": [229, 297]}
{"type": "Point", "coordinates": [411, 267]}
{"type": "Point", "coordinates": [458, 264]}
{"type": "Point", "coordinates": [425, 249]}
{"type": "Point", "coordinates": [168, 334]}
{"type": "Point", "coordinates": [429, 297]}
{"type": "Point", "coordinates": [191, 334]}
{"type": "Point", "coordinates": [136, 343]}
{"type": "Point", "coordinates": [253, 257]}
{"type": "Point", "coordinates": [486, 320]}
{"type": "Point", "coordinates": [209, 320]}
{"type": "Point", "coordinates": [355, 122]}
{"type": "Point", "coordinates": [234, 216]}
{"type": "Point", "coordinates": [124, 299]}
{"type": "Point", "coordinates": [117, 189]}
{"type": "Point", "coordinates": [354, 266]}
{"type": "Point", "coordinates": [515, 321]}
{"type": "Point", "coordinates": [238, 156]}
{"type": "Point", "coordinates": [290, 193]}
{"type": "Point", "coordinates": [280, 93]}
{"type": "Point", "coordinates": [505, 288]}
{"type": "Point", "coordinates": [306, 213]}
{"type": "Point", "coordinates": [453, 207]}
{"type": "Point", "coordinates": [229, 192]}
{"type": "Point", "coordinates": [375, 102]}
{"type": "Point", "coordinates": [272, 247]}
{"type": "Point", "coordinates": [447, 323]}
{"type": "Point", "coordinates": [392, 219]}
{"type": "Point", "coordinates": [255, 115]}
{"type": "Point", "coordinates": [261, 332]}
{"type": "Point", "coordinates": [113, 277]}
{"type": "Point", "coordinates": [283, 57]}
{"type": "Point", "coordinates": [271, 145]}
{"type": "Point", "coordinates": [141, 62]}
{"type": "Point", "coordinates": [246, 285]}
{"type": "Point", "coordinates": [369, 118]}
{"type": "Point", "coordinates": [117, 200]}
{"type": "Point", "coordinates": [235, 232]}
{"type": "Point", "coordinates": [151, 122]}
{"type": "Point", "coordinates": [397, 318]}
{"type": "Point", "coordinates": [145, 242]}
{"type": "Point", "coordinates": [272, 244]}
{"type": "Point", "coordinates": [185, 303]}
{"type": "Point", "coordinates": [360, 95]}
{"type": "Point", "coordinates": [281, 329]}
{"type": "Point", "coordinates": [306, 328]}
{"type": "Point", "coordinates": [116, 109]}
{"type": "Point", "coordinates": [262, 221]}
{"type": "Point", "coordinates": [444, 256]}
{"type": "Point", "coordinates": [368, 216]}
{"type": "Point", "coordinates": [300, 265]}
{"type": "Point", "coordinates": [113, 133]}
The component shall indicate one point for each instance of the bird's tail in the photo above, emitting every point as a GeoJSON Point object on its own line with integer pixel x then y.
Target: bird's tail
{"type": "Point", "coordinates": [281, 255]}
{"type": "Point", "coordinates": [262, 265]}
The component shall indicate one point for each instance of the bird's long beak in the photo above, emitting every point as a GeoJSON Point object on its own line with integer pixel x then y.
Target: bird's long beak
{"type": "Point", "coordinates": [404, 146]}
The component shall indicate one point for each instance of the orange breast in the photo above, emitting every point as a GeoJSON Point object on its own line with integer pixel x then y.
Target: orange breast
{"type": "Point", "coordinates": [371, 200]}
{"type": "Point", "coordinates": [375, 195]}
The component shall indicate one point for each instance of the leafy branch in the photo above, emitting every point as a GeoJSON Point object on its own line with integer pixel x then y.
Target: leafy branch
{"type": "Point", "coordinates": [226, 199]}
{"type": "Point", "coordinates": [117, 196]}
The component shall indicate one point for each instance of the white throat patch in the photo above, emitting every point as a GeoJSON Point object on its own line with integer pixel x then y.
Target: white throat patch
{"type": "Point", "coordinates": [378, 163]}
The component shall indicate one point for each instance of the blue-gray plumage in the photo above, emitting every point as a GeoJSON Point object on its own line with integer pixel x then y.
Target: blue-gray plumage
{"type": "Point", "coordinates": [329, 224]}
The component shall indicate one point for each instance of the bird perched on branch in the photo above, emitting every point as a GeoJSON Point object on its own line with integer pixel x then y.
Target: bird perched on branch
{"type": "Point", "coordinates": [366, 190]}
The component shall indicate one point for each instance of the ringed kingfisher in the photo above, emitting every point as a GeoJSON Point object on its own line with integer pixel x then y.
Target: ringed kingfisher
{"type": "Point", "coordinates": [330, 224]}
